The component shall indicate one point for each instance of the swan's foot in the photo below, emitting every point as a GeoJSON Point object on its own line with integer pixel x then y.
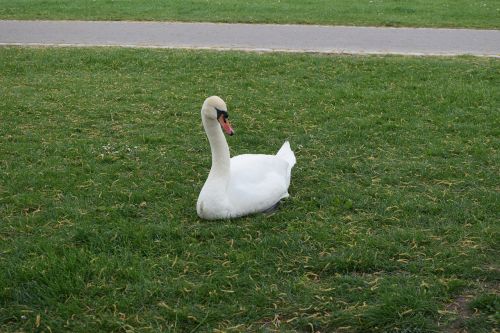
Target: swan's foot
{"type": "Point", "coordinates": [271, 209]}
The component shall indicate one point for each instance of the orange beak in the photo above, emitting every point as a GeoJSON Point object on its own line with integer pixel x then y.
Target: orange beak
{"type": "Point", "coordinates": [226, 125]}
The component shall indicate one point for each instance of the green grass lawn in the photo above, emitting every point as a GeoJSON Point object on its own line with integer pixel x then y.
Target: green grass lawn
{"type": "Point", "coordinates": [429, 13]}
{"type": "Point", "coordinates": [393, 214]}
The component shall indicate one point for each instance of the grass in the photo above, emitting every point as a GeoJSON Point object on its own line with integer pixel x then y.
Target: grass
{"type": "Point", "coordinates": [393, 212]}
{"type": "Point", "coordinates": [428, 13]}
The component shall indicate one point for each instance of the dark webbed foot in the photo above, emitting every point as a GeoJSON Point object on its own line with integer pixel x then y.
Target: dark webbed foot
{"type": "Point", "coordinates": [272, 209]}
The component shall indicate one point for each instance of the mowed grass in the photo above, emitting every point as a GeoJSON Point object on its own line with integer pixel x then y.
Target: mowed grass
{"type": "Point", "coordinates": [428, 13]}
{"type": "Point", "coordinates": [393, 215]}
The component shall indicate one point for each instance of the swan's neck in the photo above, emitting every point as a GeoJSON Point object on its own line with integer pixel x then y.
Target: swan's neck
{"type": "Point", "coordinates": [220, 152]}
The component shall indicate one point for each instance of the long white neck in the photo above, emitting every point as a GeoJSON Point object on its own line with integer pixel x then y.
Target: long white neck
{"type": "Point", "coordinates": [220, 152]}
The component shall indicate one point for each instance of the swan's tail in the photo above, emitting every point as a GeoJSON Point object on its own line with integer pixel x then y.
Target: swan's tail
{"type": "Point", "coordinates": [286, 153]}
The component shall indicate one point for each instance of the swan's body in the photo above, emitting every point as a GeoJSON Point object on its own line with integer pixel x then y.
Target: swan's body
{"type": "Point", "coordinates": [244, 184]}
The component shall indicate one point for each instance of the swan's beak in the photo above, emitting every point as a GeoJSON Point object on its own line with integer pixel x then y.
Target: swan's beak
{"type": "Point", "coordinates": [226, 125]}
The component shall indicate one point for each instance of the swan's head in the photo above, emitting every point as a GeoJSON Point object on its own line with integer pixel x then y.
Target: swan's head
{"type": "Point", "coordinates": [215, 108]}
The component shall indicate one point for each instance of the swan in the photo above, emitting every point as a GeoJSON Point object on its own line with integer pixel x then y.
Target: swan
{"type": "Point", "coordinates": [245, 184]}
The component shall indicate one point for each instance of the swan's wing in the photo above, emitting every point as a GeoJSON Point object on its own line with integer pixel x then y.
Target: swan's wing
{"type": "Point", "coordinates": [257, 181]}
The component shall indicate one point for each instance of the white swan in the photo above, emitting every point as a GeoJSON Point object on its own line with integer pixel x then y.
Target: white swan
{"type": "Point", "coordinates": [244, 184]}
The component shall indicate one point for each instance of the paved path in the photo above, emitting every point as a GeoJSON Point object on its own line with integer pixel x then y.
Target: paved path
{"type": "Point", "coordinates": [253, 37]}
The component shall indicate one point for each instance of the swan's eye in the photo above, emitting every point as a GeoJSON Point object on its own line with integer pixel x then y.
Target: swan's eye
{"type": "Point", "coordinates": [222, 113]}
